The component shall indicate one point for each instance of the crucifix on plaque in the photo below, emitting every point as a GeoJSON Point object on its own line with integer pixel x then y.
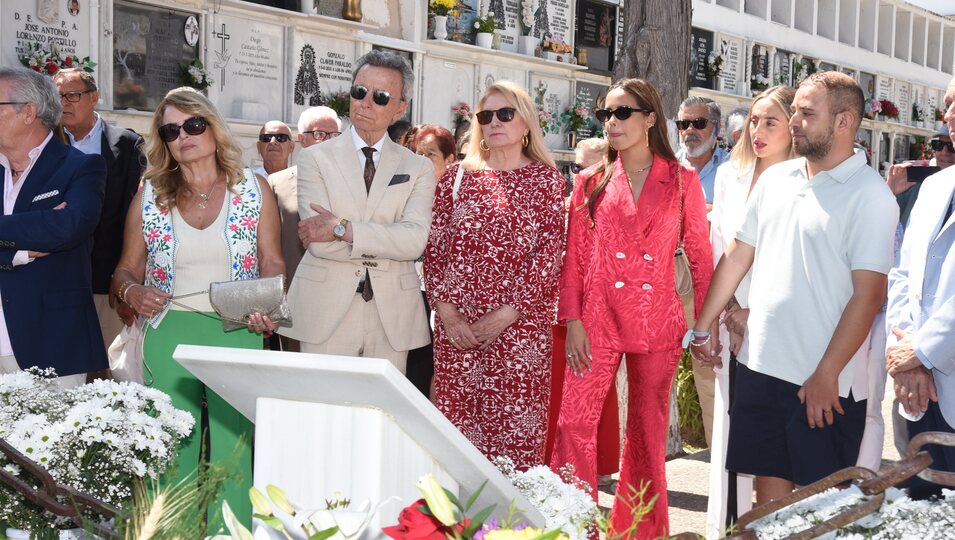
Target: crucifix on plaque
{"type": "Point", "coordinates": [223, 55]}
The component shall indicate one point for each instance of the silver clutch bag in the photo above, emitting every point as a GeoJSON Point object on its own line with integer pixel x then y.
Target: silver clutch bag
{"type": "Point", "coordinates": [234, 301]}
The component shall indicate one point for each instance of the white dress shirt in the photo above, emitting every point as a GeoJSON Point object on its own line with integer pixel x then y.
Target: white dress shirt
{"type": "Point", "coordinates": [11, 190]}
{"type": "Point", "coordinates": [92, 143]}
{"type": "Point", "coordinates": [360, 143]}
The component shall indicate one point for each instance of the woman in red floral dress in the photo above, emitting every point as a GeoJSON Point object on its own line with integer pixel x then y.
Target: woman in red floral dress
{"type": "Point", "coordinates": [618, 296]}
{"type": "Point", "coordinates": [491, 270]}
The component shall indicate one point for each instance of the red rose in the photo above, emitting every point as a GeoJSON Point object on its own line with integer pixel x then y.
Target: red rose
{"type": "Point", "coordinates": [415, 525]}
{"type": "Point", "coordinates": [69, 61]}
{"type": "Point", "coordinates": [52, 68]}
{"type": "Point", "coordinates": [35, 68]}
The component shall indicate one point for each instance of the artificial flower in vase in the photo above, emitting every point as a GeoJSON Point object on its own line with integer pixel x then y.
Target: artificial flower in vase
{"type": "Point", "coordinates": [195, 75]}
{"type": "Point", "coordinates": [526, 42]}
{"type": "Point", "coordinates": [484, 31]}
{"type": "Point", "coordinates": [555, 49]}
{"type": "Point", "coordinates": [441, 9]}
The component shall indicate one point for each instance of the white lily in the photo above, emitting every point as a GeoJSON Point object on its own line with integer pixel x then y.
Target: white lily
{"type": "Point", "coordinates": [438, 502]}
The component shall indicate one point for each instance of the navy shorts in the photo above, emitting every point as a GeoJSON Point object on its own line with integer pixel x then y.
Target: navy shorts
{"type": "Point", "coordinates": [769, 434]}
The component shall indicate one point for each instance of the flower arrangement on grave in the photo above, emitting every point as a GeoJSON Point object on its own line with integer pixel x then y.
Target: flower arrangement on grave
{"type": "Point", "coordinates": [918, 113]}
{"type": "Point", "coordinates": [460, 112]}
{"type": "Point", "coordinates": [555, 44]}
{"type": "Point", "coordinates": [803, 69]}
{"type": "Point", "coordinates": [760, 82]}
{"type": "Point", "coordinates": [195, 75]}
{"type": "Point", "coordinates": [889, 110]}
{"type": "Point", "coordinates": [340, 102]}
{"type": "Point", "coordinates": [49, 59]}
{"type": "Point", "coordinates": [485, 24]}
{"type": "Point", "coordinates": [441, 7]}
{"type": "Point", "coordinates": [528, 10]}
{"type": "Point", "coordinates": [104, 438]}
{"type": "Point", "coordinates": [714, 64]}
{"type": "Point", "coordinates": [872, 108]}
{"type": "Point", "coordinates": [575, 118]}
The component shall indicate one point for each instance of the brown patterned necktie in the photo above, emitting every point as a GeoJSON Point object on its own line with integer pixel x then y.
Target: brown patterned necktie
{"type": "Point", "coordinates": [365, 286]}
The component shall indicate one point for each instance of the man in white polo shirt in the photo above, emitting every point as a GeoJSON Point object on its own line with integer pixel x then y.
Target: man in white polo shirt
{"type": "Point", "coordinates": [818, 234]}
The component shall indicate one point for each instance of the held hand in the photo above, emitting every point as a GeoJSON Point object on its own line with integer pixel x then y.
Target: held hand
{"type": "Point", "coordinates": [901, 356]}
{"type": "Point", "coordinates": [913, 389]}
{"type": "Point", "coordinates": [736, 341]}
{"type": "Point", "coordinates": [491, 324]}
{"type": "Point", "coordinates": [456, 328]}
{"type": "Point", "coordinates": [820, 394]}
{"type": "Point", "coordinates": [318, 228]}
{"type": "Point", "coordinates": [261, 324]}
{"type": "Point", "coordinates": [126, 313]}
{"type": "Point", "coordinates": [577, 348]}
{"type": "Point", "coordinates": [147, 301]}
{"type": "Point", "coordinates": [735, 321]}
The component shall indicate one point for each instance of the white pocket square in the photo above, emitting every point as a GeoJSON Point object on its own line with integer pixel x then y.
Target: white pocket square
{"type": "Point", "coordinates": [46, 195]}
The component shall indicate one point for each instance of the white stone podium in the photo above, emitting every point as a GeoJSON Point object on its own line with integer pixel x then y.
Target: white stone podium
{"type": "Point", "coordinates": [326, 424]}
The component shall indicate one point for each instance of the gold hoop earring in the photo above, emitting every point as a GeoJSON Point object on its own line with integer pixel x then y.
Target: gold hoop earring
{"type": "Point", "coordinates": [483, 145]}
{"type": "Point", "coordinates": [525, 141]}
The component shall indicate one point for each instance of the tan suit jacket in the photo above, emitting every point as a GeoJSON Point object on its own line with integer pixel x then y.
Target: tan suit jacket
{"type": "Point", "coordinates": [389, 227]}
{"type": "Point", "coordinates": [283, 184]}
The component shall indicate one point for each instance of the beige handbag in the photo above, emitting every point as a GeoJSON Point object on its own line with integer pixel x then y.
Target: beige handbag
{"type": "Point", "coordinates": [681, 263]}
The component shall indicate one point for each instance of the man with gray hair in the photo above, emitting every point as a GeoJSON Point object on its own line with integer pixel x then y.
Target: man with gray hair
{"type": "Point", "coordinates": [315, 125]}
{"type": "Point", "coordinates": [698, 123]}
{"type": "Point", "coordinates": [53, 196]}
{"type": "Point", "coordinates": [365, 208]}
{"type": "Point", "coordinates": [735, 123]}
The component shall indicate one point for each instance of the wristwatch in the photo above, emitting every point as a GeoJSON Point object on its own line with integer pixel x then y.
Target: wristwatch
{"type": "Point", "coordinates": [339, 231]}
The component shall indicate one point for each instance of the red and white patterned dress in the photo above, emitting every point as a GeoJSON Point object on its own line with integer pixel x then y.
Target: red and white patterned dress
{"type": "Point", "coordinates": [500, 242]}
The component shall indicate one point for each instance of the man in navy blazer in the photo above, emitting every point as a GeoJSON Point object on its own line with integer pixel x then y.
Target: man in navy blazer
{"type": "Point", "coordinates": [51, 204]}
{"type": "Point", "coordinates": [920, 316]}
{"type": "Point", "coordinates": [122, 151]}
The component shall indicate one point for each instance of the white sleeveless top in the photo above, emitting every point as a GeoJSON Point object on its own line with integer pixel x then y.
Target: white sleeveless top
{"type": "Point", "coordinates": [202, 259]}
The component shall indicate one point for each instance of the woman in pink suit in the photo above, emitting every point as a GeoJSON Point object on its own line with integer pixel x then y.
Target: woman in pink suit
{"type": "Point", "coordinates": [618, 296]}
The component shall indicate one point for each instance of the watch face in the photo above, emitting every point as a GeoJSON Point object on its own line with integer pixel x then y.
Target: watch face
{"type": "Point", "coordinates": [339, 230]}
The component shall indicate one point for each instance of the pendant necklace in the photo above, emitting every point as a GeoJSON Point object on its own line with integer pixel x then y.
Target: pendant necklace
{"type": "Point", "coordinates": [638, 171]}
{"type": "Point", "coordinates": [204, 197]}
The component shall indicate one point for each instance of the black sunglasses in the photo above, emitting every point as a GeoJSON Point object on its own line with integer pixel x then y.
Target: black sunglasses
{"type": "Point", "coordinates": [380, 97]}
{"type": "Point", "coordinates": [697, 123]}
{"type": "Point", "coordinates": [192, 126]}
{"type": "Point", "coordinates": [576, 168]}
{"type": "Point", "coordinates": [505, 114]}
{"type": "Point", "coordinates": [622, 112]}
{"type": "Point", "coordinates": [267, 137]}
{"type": "Point", "coordinates": [938, 144]}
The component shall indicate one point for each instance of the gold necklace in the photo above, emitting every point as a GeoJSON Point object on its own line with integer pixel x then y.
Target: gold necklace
{"type": "Point", "coordinates": [638, 171]}
{"type": "Point", "coordinates": [204, 197]}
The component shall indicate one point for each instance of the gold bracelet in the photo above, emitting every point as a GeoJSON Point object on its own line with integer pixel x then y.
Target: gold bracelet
{"type": "Point", "coordinates": [126, 286]}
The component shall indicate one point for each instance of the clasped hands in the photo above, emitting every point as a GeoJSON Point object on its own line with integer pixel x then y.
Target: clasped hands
{"type": "Point", "coordinates": [914, 384]}
{"type": "Point", "coordinates": [479, 334]}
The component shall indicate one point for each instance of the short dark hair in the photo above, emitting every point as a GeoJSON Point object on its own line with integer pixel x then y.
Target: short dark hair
{"type": "Point", "coordinates": [845, 94]}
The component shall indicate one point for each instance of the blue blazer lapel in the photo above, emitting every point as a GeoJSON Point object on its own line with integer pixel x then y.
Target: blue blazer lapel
{"type": "Point", "coordinates": [46, 165]}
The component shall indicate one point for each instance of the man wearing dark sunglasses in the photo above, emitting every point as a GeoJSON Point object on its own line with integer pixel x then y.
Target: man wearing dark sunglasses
{"type": "Point", "coordinates": [275, 146]}
{"type": "Point", "coordinates": [53, 196]}
{"type": "Point", "coordinates": [698, 123]}
{"type": "Point", "coordinates": [906, 188]}
{"type": "Point", "coordinates": [365, 204]}
{"type": "Point", "coordinates": [122, 150]}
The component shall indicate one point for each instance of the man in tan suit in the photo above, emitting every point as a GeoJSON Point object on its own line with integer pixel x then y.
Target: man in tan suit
{"type": "Point", "coordinates": [315, 125]}
{"type": "Point", "coordinates": [365, 204]}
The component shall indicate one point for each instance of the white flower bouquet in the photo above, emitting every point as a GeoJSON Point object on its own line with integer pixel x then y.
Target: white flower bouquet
{"type": "Point", "coordinates": [528, 10]}
{"type": "Point", "coordinates": [563, 499]}
{"type": "Point", "coordinates": [899, 517]}
{"type": "Point", "coordinates": [99, 438]}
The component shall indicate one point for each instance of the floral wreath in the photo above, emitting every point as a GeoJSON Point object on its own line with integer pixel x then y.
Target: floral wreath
{"type": "Point", "coordinates": [49, 59]}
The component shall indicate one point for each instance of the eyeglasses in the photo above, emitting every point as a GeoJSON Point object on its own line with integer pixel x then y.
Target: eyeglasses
{"type": "Point", "coordinates": [576, 168]}
{"type": "Point", "coordinates": [697, 123]}
{"type": "Point", "coordinates": [13, 102]}
{"type": "Point", "coordinates": [505, 114]}
{"type": "Point", "coordinates": [622, 112]}
{"type": "Point", "coordinates": [192, 126]}
{"type": "Point", "coordinates": [267, 137]}
{"type": "Point", "coordinates": [320, 135]}
{"type": "Point", "coordinates": [380, 97]}
{"type": "Point", "coordinates": [938, 145]}
{"type": "Point", "coordinates": [74, 97]}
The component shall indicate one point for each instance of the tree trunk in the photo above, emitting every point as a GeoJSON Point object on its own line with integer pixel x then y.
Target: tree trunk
{"type": "Point", "coordinates": [656, 47]}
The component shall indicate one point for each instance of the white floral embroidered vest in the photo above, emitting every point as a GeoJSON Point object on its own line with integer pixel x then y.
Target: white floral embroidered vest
{"type": "Point", "coordinates": [239, 234]}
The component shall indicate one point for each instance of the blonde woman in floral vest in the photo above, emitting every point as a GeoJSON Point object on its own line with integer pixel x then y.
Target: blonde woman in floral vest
{"type": "Point", "coordinates": [202, 219]}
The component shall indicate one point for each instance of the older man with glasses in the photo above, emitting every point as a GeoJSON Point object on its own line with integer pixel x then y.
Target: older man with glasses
{"type": "Point", "coordinates": [698, 123]}
{"type": "Point", "coordinates": [315, 125]}
{"type": "Point", "coordinates": [122, 151]}
{"type": "Point", "coordinates": [52, 200]}
{"type": "Point", "coordinates": [365, 204]}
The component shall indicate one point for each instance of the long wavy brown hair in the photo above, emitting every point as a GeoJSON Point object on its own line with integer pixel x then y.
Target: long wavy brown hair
{"type": "Point", "coordinates": [647, 98]}
{"type": "Point", "coordinates": [163, 171]}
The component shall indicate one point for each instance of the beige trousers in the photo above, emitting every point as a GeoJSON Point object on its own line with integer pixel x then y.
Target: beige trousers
{"type": "Point", "coordinates": [705, 380]}
{"type": "Point", "coordinates": [360, 334]}
{"type": "Point", "coordinates": [8, 364]}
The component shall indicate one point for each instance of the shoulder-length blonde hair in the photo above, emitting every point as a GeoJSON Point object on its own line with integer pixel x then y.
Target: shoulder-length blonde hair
{"type": "Point", "coordinates": [163, 171]}
{"type": "Point", "coordinates": [742, 155]}
{"type": "Point", "coordinates": [517, 97]}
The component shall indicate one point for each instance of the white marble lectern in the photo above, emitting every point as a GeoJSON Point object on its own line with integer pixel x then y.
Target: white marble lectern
{"type": "Point", "coordinates": [326, 424]}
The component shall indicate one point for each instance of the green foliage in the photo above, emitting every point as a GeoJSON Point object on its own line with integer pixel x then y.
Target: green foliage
{"type": "Point", "coordinates": [688, 403]}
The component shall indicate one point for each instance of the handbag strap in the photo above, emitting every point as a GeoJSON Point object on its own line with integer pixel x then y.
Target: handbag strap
{"type": "Point", "coordinates": [457, 183]}
{"type": "Point", "coordinates": [679, 224]}
{"type": "Point", "coordinates": [200, 312]}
